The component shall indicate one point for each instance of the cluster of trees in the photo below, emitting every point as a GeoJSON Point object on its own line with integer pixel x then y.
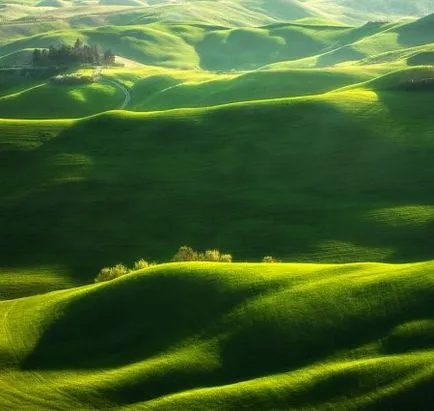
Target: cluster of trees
{"type": "Point", "coordinates": [422, 84]}
{"type": "Point", "coordinates": [80, 53]}
{"type": "Point", "coordinates": [185, 253]}
{"type": "Point", "coordinates": [118, 270]}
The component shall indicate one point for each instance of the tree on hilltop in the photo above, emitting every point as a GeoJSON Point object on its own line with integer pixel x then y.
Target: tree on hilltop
{"type": "Point", "coordinates": [109, 58]}
{"type": "Point", "coordinates": [65, 54]}
{"type": "Point", "coordinates": [36, 58]}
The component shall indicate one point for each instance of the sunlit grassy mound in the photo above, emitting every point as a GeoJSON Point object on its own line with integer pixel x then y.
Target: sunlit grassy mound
{"type": "Point", "coordinates": [355, 11]}
{"type": "Point", "coordinates": [153, 89]}
{"type": "Point", "coordinates": [226, 336]}
{"type": "Point", "coordinates": [60, 101]}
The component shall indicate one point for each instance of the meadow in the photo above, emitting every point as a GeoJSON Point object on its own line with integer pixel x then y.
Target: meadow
{"type": "Point", "coordinates": [300, 130]}
{"type": "Point", "coordinates": [225, 336]}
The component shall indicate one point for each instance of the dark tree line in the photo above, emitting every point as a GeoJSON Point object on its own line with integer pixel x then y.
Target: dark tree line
{"type": "Point", "coordinates": [421, 84]}
{"type": "Point", "coordinates": [80, 53]}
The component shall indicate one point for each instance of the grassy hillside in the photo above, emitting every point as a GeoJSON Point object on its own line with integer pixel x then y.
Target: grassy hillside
{"type": "Point", "coordinates": [234, 12]}
{"type": "Point", "coordinates": [356, 11]}
{"type": "Point", "coordinates": [297, 129]}
{"type": "Point", "coordinates": [61, 101]}
{"type": "Point", "coordinates": [303, 44]}
{"type": "Point", "coordinates": [161, 90]}
{"type": "Point", "coordinates": [153, 89]}
{"type": "Point", "coordinates": [192, 46]}
{"type": "Point", "coordinates": [226, 336]}
{"type": "Point", "coordinates": [340, 177]}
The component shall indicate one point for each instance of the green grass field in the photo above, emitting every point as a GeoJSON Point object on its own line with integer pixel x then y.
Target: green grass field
{"type": "Point", "coordinates": [226, 336]}
{"type": "Point", "coordinates": [353, 185]}
{"type": "Point", "coordinates": [300, 130]}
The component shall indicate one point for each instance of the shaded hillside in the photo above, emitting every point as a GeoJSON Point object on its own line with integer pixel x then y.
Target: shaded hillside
{"type": "Point", "coordinates": [344, 177]}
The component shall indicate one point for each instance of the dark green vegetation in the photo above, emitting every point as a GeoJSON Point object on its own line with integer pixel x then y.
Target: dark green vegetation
{"type": "Point", "coordinates": [293, 129]}
{"type": "Point", "coordinates": [67, 55]}
{"type": "Point", "coordinates": [352, 185]}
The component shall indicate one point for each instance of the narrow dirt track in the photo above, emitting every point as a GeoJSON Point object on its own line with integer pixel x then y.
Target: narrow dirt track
{"type": "Point", "coordinates": [120, 87]}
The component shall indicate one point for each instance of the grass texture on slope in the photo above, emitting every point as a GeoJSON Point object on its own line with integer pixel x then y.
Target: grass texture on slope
{"type": "Point", "coordinates": [153, 89]}
{"type": "Point", "coordinates": [190, 46]}
{"type": "Point", "coordinates": [224, 337]}
{"type": "Point", "coordinates": [219, 48]}
{"type": "Point", "coordinates": [340, 177]}
{"type": "Point", "coordinates": [61, 101]}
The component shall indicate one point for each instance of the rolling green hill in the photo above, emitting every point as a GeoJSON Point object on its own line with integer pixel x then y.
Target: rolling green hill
{"type": "Point", "coordinates": [191, 46]}
{"type": "Point", "coordinates": [217, 48]}
{"type": "Point", "coordinates": [341, 177]}
{"type": "Point", "coordinates": [164, 90]}
{"type": "Point", "coordinates": [152, 89]}
{"type": "Point", "coordinates": [356, 11]}
{"type": "Point", "coordinates": [224, 337]}
{"type": "Point", "coordinates": [302, 44]}
{"type": "Point", "coordinates": [235, 12]}
{"type": "Point", "coordinates": [296, 129]}
{"type": "Point", "coordinates": [61, 101]}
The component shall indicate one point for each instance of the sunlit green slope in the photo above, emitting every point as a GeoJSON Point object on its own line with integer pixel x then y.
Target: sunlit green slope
{"type": "Point", "coordinates": [151, 89]}
{"type": "Point", "coordinates": [234, 12]}
{"type": "Point", "coordinates": [225, 337]}
{"type": "Point", "coordinates": [374, 42]}
{"type": "Point", "coordinates": [340, 177]}
{"type": "Point", "coordinates": [193, 46]}
{"type": "Point", "coordinates": [61, 101]}
{"type": "Point", "coordinates": [161, 90]}
{"type": "Point", "coordinates": [218, 48]}
{"type": "Point", "coordinates": [355, 10]}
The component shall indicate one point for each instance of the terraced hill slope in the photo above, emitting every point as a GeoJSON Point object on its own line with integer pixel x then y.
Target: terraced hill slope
{"type": "Point", "coordinates": [224, 337]}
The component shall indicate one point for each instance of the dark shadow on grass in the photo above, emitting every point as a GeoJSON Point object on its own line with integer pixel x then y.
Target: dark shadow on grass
{"type": "Point", "coordinates": [269, 346]}
{"type": "Point", "coordinates": [132, 320]}
{"type": "Point", "coordinates": [253, 180]}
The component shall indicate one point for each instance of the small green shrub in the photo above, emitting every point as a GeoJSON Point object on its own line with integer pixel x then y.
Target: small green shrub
{"type": "Point", "coordinates": [226, 258]}
{"type": "Point", "coordinates": [140, 264]}
{"type": "Point", "coordinates": [111, 273]}
{"type": "Point", "coordinates": [186, 253]}
{"type": "Point", "coordinates": [269, 259]}
{"type": "Point", "coordinates": [211, 255]}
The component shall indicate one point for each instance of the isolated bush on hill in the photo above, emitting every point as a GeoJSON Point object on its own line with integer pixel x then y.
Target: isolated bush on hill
{"type": "Point", "coordinates": [269, 259]}
{"type": "Point", "coordinates": [111, 273]}
{"type": "Point", "coordinates": [225, 258]}
{"type": "Point", "coordinates": [186, 253]}
{"type": "Point", "coordinates": [140, 264]}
